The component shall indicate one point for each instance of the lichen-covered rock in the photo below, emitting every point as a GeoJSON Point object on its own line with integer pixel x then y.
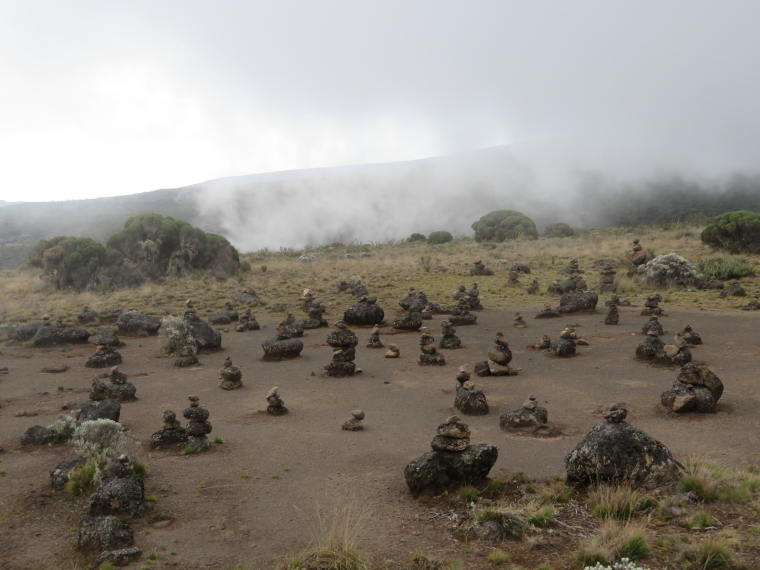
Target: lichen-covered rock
{"type": "Point", "coordinates": [653, 326]}
{"type": "Point", "coordinates": [613, 316]}
{"type": "Point", "coordinates": [168, 437]}
{"type": "Point", "coordinates": [50, 335]}
{"type": "Point", "coordinates": [563, 347]}
{"type": "Point", "coordinates": [437, 469]}
{"type": "Point", "coordinates": [520, 268]}
{"type": "Point", "coordinates": [340, 369]}
{"type": "Point", "coordinates": [733, 290]}
{"type": "Point", "coordinates": [283, 346]}
{"type": "Point", "coordinates": [481, 368]}
{"type": "Point", "coordinates": [134, 323]}
{"type": "Point", "coordinates": [365, 312]}
{"type": "Point", "coordinates": [119, 496]}
{"type": "Point", "coordinates": [107, 409]}
{"type": "Point", "coordinates": [59, 475]}
{"type": "Point", "coordinates": [529, 415]}
{"type": "Point", "coordinates": [697, 388]}
{"type": "Point", "coordinates": [23, 332]}
{"type": "Point", "coordinates": [471, 402]}
{"type": "Point", "coordinates": [753, 305]}
{"type": "Point", "coordinates": [247, 297]}
{"type": "Point", "coordinates": [410, 321]}
{"type": "Point", "coordinates": [435, 359]}
{"type": "Point", "coordinates": [547, 313]}
{"type": "Point", "coordinates": [616, 451]}
{"type": "Point", "coordinates": [37, 435]}
{"type": "Point", "coordinates": [86, 316]}
{"type": "Point", "coordinates": [105, 357]}
{"type": "Point", "coordinates": [578, 302]}
{"type": "Point", "coordinates": [104, 336]}
{"type": "Point", "coordinates": [205, 336]}
{"type": "Point", "coordinates": [121, 392]}
{"type": "Point", "coordinates": [101, 533]}
{"type": "Point", "coordinates": [120, 557]}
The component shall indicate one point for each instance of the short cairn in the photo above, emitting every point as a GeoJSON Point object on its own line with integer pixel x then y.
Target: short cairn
{"type": "Point", "coordinates": [343, 342]}
{"type": "Point", "coordinates": [393, 351]}
{"type": "Point", "coordinates": [529, 415]}
{"type": "Point", "coordinates": [171, 432]}
{"type": "Point", "coordinates": [449, 339]}
{"type": "Point", "coordinates": [613, 316]}
{"type": "Point", "coordinates": [429, 356]}
{"type": "Point", "coordinates": [275, 404]}
{"type": "Point", "coordinates": [519, 322]}
{"type": "Point", "coordinates": [354, 423]}
{"type": "Point", "coordinates": [247, 322]}
{"type": "Point", "coordinates": [499, 357]}
{"type": "Point", "coordinates": [198, 426]}
{"type": "Point", "coordinates": [652, 306]}
{"type": "Point", "coordinates": [187, 356]}
{"type": "Point", "coordinates": [104, 357]}
{"type": "Point", "coordinates": [119, 389]}
{"type": "Point", "coordinates": [374, 338]}
{"type": "Point", "coordinates": [469, 399]}
{"type": "Point", "coordinates": [607, 280]}
{"type": "Point", "coordinates": [653, 326]}
{"type": "Point", "coordinates": [231, 377]}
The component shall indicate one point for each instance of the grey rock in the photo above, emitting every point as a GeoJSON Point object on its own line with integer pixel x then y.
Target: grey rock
{"type": "Point", "coordinates": [136, 324]}
{"type": "Point", "coordinates": [107, 409]}
{"type": "Point", "coordinates": [437, 469]}
{"type": "Point", "coordinates": [103, 533]}
{"type": "Point", "coordinates": [283, 346]}
{"type": "Point", "coordinates": [119, 496]}
{"type": "Point", "coordinates": [471, 402]}
{"type": "Point", "coordinates": [50, 335]}
{"type": "Point", "coordinates": [121, 557]}
{"type": "Point", "coordinates": [59, 475]}
{"type": "Point", "coordinates": [410, 321]}
{"type": "Point", "coordinates": [106, 337]}
{"type": "Point", "coordinates": [524, 418]}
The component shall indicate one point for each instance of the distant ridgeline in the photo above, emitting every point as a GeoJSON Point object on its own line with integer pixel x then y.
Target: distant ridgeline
{"type": "Point", "coordinates": [149, 247]}
{"type": "Point", "coordinates": [669, 201]}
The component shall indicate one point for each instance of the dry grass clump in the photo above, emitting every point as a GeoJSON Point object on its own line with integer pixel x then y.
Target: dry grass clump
{"type": "Point", "coordinates": [614, 542]}
{"type": "Point", "coordinates": [618, 501]}
{"type": "Point", "coordinates": [712, 481]}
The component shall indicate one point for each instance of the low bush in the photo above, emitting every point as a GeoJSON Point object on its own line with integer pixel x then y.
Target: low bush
{"type": "Point", "coordinates": [670, 269]}
{"type": "Point", "coordinates": [724, 267]}
{"type": "Point", "coordinates": [440, 237]}
{"type": "Point", "coordinates": [737, 232]}
{"type": "Point", "coordinates": [558, 229]}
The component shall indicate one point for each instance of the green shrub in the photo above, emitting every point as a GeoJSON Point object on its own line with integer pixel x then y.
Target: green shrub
{"type": "Point", "coordinates": [734, 231]}
{"type": "Point", "coordinates": [502, 225]}
{"type": "Point", "coordinates": [440, 237]}
{"type": "Point", "coordinates": [558, 229]}
{"type": "Point", "coordinates": [417, 237]}
{"type": "Point", "coordinates": [468, 493]}
{"type": "Point", "coordinates": [724, 267]}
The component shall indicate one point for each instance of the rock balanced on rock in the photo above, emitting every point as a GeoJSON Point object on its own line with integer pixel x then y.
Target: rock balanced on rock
{"type": "Point", "coordinates": [460, 314]}
{"type": "Point", "coordinates": [652, 306]}
{"type": "Point", "coordinates": [364, 312]}
{"type": "Point", "coordinates": [119, 389]}
{"type": "Point", "coordinates": [374, 338]}
{"type": "Point", "coordinates": [654, 350]}
{"type": "Point", "coordinates": [613, 316]}
{"type": "Point", "coordinates": [453, 460]}
{"type": "Point", "coordinates": [533, 288]}
{"type": "Point", "coordinates": [343, 342]}
{"type": "Point", "coordinates": [393, 351]}
{"type": "Point", "coordinates": [449, 339]}
{"type": "Point", "coordinates": [480, 269]}
{"type": "Point", "coordinates": [247, 322]}
{"type": "Point", "coordinates": [275, 404]}
{"type": "Point", "coordinates": [499, 357]}
{"type": "Point", "coordinates": [529, 415]}
{"type": "Point", "coordinates": [697, 388]}
{"type": "Point", "coordinates": [653, 326]}
{"type": "Point", "coordinates": [171, 432]}
{"type": "Point", "coordinates": [547, 313]}
{"type": "Point", "coordinates": [519, 322]}
{"type": "Point", "coordinates": [469, 399]}
{"type": "Point", "coordinates": [231, 377]}
{"type": "Point", "coordinates": [607, 280]}
{"type": "Point", "coordinates": [197, 426]}
{"type": "Point", "coordinates": [429, 356]}
{"type": "Point", "coordinates": [314, 319]}
{"type": "Point", "coordinates": [104, 357]}
{"type": "Point", "coordinates": [474, 297]}
{"type": "Point", "coordinates": [187, 356]}
{"type": "Point", "coordinates": [354, 423]}
{"type": "Point", "coordinates": [690, 337]}
{"type": "Point", "coordinates": [282, 346]}
{"type": "Point", "coordinates": [565, 346]}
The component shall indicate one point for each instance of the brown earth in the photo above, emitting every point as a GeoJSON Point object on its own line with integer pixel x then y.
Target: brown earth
{"type": "Point", "coordinates": [214, 518]}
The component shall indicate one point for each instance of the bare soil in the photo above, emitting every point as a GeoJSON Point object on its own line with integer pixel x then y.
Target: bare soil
{"type": "Point", "coordinates": [215, 518]}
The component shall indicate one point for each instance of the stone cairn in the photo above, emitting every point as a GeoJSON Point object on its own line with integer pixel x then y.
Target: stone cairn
{"type": "Point", "coordinates": [429, 356]}
{"type": "Point", "coordinates": [547, 313]}
{"type": "Point", "coordinates": [393, 351]}
{"type": "Point", "coordinates": [187, 356]}
{"type": "Point", "coordinates": [364, 312]}
{"type": "Point", "coordinates": [696, 389]}
{"type": "Point", "coordinates": [529, 415]}
{"type": "Point", "coordinates": [513, 278]}
{"type": "Point", "coordinates": [613, 316]}
{"type": "Point", "coordinates": [119, 389]}
{"type": "Point", "coordinates": [374, 338]}
{"type": "Point", "coordinates": [469, 399]}
{"type": "Point", "coordinates": [545, 344]}
{"type": "Point", "coordinates": [653, 326]}
{"type": "Point", "coordinates": [104, 357]}
{"type": "Point", "coordinates": [565, 345]}
{"type": "Point", "coordinates": [247, 297]}
{"type": "Point", "coordinates": [474, 297]}
{"type": "Point", "coordinates": [533, 288]}
{"type": "Point", "coordinates": [499, 357]}
{"type": "Point", "coordinates": [615, 300]}
{"type": "Point", "coordinates": [231, 377]}
{"type": "Point", "coordinates": [735, 289]}
{"type": "Point", "coordinates": [198, 426]}
{"type": "Point", "coordinates": [519, 322]}
{"type": "Point", "coordinates": [87, 316]}
{"type": "Point", "coordinates": [637, 257]}
{"type": "Point", "coordinates": [753, 305]}
{"type": "Point", "coordinates": [275, 404]}
{"type": "Point", "coordinates": [479, 268]}
{"type": "Point", "coordinates": [690, 337]}
{"type": "Point", "coordinates": [572, 268]}
{"type": "Point", "coordinates": [343, 342]}
{"type": "Point", "coordinates": [652, 306]}
{"type": "Point", "coordinates": [171, 432]}
{"type": "Point", "coordinates": [413, 301]}
{"type": "Point", "coordinates": [354, 423]}
{"type": "Point", "coordinates": [607, 280]}
{"type": "Point", "coordinates": [652, 349]}
{"type": "Point", "coordinates": [314, 319]}
{"type": "Point", "coordinates": [454, 435]}
{"type": "Point", "coordinates": [282, 346]}
{"type": "Point", "coordinates": [449, 339]}
{"type": "Point", "coordinates": [460, 315]}
{"type": "Point", "coordinates": [459, 293]}
{"type": "Point", "coordinates": [247, 322]}
{"type": "Point", "coordinates": [308, 298]}
{"type": "Point", "coordinates": [425, 312]}
{"type": "Point", "coordinates": [225, 316]}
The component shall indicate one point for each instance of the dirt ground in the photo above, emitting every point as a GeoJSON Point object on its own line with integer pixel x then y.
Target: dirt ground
{"type": "Point", "coordinates": [214, 518]}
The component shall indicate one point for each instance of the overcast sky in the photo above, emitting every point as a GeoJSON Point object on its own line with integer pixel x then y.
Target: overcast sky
{"type": "Point", "coordinates": [103, 98]}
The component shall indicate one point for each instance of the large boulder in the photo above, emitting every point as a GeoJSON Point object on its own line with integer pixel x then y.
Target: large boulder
{"type": "Point", "coordinates": [59, 475]}
{"type": "Point", "coordinates": [247, 297]}
{"type": "Point", "coordinates": [106, 337]}
{"type": "Point", "coordinates": [437, 469]}
{"type": "Point", "coordinates": [37, 435]}
{"type": "Point", "coordinates": [577, 302]}
{"type": "Point", "coordinates": [23, 332]}
{"type": "Point", "coordinates": [51, 335]}
{"type": "Point", "coordinates": [697, 388]}
{"type": "Point", "coordinates": [410, 321]}
{"type": "Point", "coordinates": [136, 324]}
{"type": "Point", "coordinates": [107, 409]}
{"type": "Point", "coordinates": [364, 313]}
{"type": "Point", "coordinates": [205, 336]}
{"type": "Point", "coordinates": [471, 401]}
{"type": "Point", "coordinates": [97, 534]}
{"type": "Point", "coordinates": [281, 347]}
{"type": "Point", "coordinates": [616, 451]}
{"type": "Point", "coordinates": [119, 496]}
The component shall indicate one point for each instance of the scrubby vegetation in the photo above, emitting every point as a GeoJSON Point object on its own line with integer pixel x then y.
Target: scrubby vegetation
{"type": "Point", "coordinates": [724, 267]}
{"type": "Point", "coordinates": [670, 269]}
{"type": "Point", "coordinates": [440, 237]}
{"type": "Point", "coordinates": [558, 229]}
{"type": "Point", "coordinates": [736, 232]}
{"type": "Point", "coordinates": [148, 248]}
{"type": "Point", "coordinates": [417, 237]}
{"type": "Point", "coordinates": [501, 225]}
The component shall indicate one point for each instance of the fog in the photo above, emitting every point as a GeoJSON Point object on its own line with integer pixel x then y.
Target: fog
{"type": "Point", "coordinates": [105, 99]}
